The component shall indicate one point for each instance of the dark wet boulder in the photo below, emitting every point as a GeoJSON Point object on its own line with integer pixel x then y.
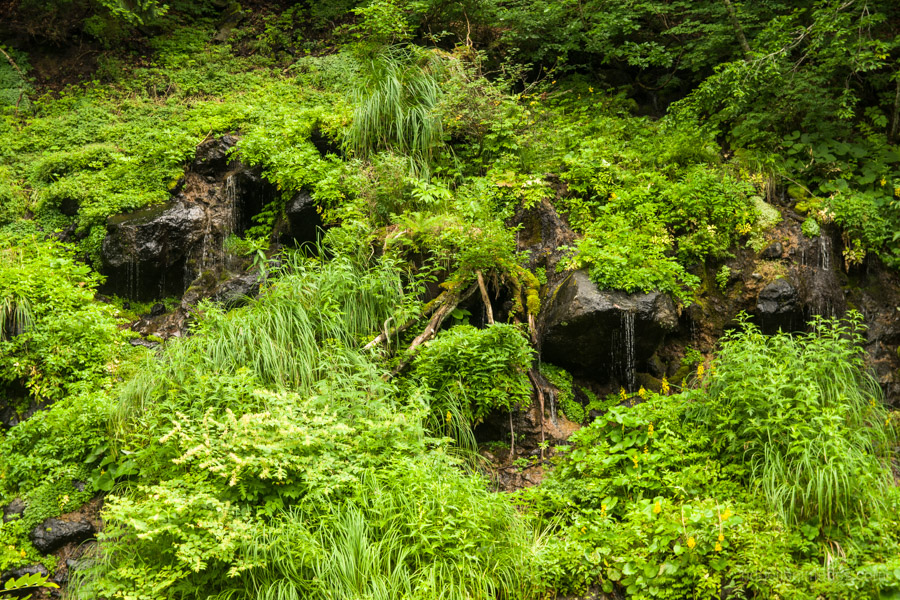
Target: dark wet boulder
{"type": "Point", "coordinates": [161, 251]}
{"type": "Point", "coordinates": [145, 254]}
{"type": "Point", "coordinates": [773, 251]}
{"type": "Point", "coordinates": [53, 534]}
{"type": "Point", "coordinates": [236, 290]}
{"type": "Point", "coordinates": [23, 571]}
{"type": "Point", "coordinates": [212, 156]}
{"type": "Point", "coordinates": [778, 306]}
{"type": "Point", "coordinates": [605, 335]}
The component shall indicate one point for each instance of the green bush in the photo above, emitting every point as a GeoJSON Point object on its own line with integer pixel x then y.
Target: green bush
{"type": "Point", "coordinates": [271, 456]}
{"type": "Point", "coordinates": [631, 254]}
{"type": "Point", "coordinates": [52, 333]}
{"type": "Point", "coordinates": [806, 418]}
{"type": "Point", "coordinates": [486, 367]}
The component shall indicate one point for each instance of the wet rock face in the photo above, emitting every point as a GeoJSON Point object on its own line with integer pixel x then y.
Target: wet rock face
{"type": "Point", "coordinates": [53, 534]}
{"type": "Point", "coordinates": [778, 307]}
{"type": "Point", "coordinates": [303, 219]}
{"type": "Point", "coordinates": [145, 254]}
{"type": "Point", "coordinates": [212, 156]}
{"type": "Point", "coordinates": [605, 335]}
{"type": "Point", "coordinates": [161, 251]}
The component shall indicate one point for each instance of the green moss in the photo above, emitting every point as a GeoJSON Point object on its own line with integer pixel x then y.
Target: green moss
{"type": "Point", "coordinates": [565, 399]}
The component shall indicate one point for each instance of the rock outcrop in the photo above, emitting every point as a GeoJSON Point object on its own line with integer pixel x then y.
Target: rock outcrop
{"type": "Point", "coordinates": [605, 335]}
{"type": "Point", "coordinates": [53, 534]}
{"type": "Point", "coordinates": [165, 250]}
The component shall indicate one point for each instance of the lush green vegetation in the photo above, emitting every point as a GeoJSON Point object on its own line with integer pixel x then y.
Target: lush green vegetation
{"type": "Point", "coordinates": [317, 443]}
{"type": "Point", "coordinates": [646, 500]}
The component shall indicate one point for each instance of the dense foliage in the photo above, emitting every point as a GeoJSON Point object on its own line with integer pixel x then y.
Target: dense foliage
{"type": "Point", "coordinates": [317, 442]}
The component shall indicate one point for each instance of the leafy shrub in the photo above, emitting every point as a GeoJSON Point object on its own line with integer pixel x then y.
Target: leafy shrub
{"type": "Point", "coordinates": [487, 367]}
{"type": "Point", "coordinates": [805, 416]}
{"type": "Point", "coordinates": [271, 455]}
{"type": "Point", "coordinates": [47, 306]}
{"type": "Point", "coordinates": [631, 255]}
{"type": "Point", "coordinates": [811, 228]}
{"type": "Point", "coordinates": [12, 201]}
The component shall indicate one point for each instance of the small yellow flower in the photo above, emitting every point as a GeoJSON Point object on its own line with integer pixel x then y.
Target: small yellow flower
{"type": "Point", "coordinates": [691, 542]}
{"type": "Point", "coordinates": [650, 430]}
{"type": "Point", "coordinates": [634, 459]}
{"type": "Point", "coordinates": [883, 181]}
{"type": "Point", "coordinates": [657, 507]}
{"type": "Point", "coordinates": [727, 514]}
{"type": "Point", "coordinates": [583, 529]}
{"type": "Point", "coordinates": [642, 392]}
{"type": "Point", "coordinates": [449, 416]}
{"type": "Point", "coordinates": [591, 90]}
{"type": "Point", "coordinates": [721, 538]}
{"type": "Point", "coordinates": [665, 386]}
{"type": "Point", "coordinates": [718, 547]}
{"type": "Point", "coordinates": [613, 196]}
{"type": "Point", "coordinates": [623, 394]}
{"type": "Point", "coordinates": [700, 371]}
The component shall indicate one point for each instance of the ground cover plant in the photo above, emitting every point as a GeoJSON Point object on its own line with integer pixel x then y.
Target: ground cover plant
{"type": "Point", "coordinates": [318, 441]}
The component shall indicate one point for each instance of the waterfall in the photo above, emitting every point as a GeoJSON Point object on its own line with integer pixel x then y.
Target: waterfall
{"type": "Point", "coordinates": [621, 351]}
{"type": "Point", "coordinates": [824, 252]}
{"type": "Point", "coordinates": [233, 205]}
{"type": "Point", "coordinates": [628, 330]}
{"type": "Point", "coordinates": [553, 416]}
{"type": "Point", "coordinates": [133, 274]}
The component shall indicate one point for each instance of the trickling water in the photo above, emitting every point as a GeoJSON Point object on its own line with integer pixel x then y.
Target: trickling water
{"type": "Point", "coordinates": [232, 204]}
{"type": "Point", "coordinates": [133, 274]}
{"type": "Point", "coordinates": [628, 336]}
{"type": "Point", "coordinates": [824, 252]}
{"type": "Point", "coordinates": [553, 416]}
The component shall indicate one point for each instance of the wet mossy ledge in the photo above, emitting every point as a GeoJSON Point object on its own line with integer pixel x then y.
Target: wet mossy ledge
{"type": "Point", "coordinates": [310, 301]}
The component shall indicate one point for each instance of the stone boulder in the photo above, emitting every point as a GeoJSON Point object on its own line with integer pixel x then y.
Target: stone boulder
{"type": "Point", "coordinates": [778, 306]}
{"type": "Point", "coordinates": [236, 290]}
{"type": "Point", "coordinates": [212, 156]}
{"type": "Point", "coordinates": [13, 510]}
{"type": "Point", "coordinates": [145, 254]}
{"type": "Point", "coordinates": [53, 534]}
{"type": "Point", "coordinates": [604, 335]}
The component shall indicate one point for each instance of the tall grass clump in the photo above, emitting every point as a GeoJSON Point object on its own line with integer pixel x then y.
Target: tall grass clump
{"type": "Point", "coordinates": [299, 332]}
{"type": "Point", "coordinates": [807, 418]}
{"type": "Point", "coordinates": [397, 106]}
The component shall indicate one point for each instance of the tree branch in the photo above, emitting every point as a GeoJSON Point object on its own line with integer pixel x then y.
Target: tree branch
{"type": "Point", "coordinates": [485, 298]}
{"type": "Point", "coordinates": [738, 30]}
{"type": "Point", "coordinates": [12, 62]}
{"type": "Point", "coordinates": [452, 300]}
